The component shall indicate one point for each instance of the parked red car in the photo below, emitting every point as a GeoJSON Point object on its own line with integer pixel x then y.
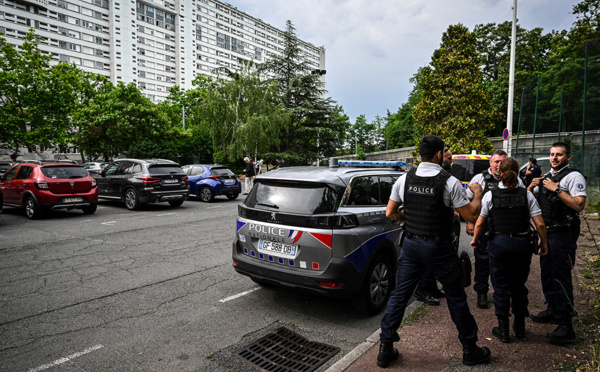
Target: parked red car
{"type": "Point", "coordinates": [39, 186]}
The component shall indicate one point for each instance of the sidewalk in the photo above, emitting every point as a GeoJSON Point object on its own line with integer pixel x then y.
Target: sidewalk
{"type": "Point", "coordinates": [431, 343]}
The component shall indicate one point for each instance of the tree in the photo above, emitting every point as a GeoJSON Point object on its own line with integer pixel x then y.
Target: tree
{"type": "Point", "coordinates": [454, 104]}
{"type": "Point", "coordinates": [400, 130]}
{"type": "Point", "coordinates": [242, 113]}
{"type": "Point", "coordinates": [301, 91]}
{"type": "Point", "coordinates": [117, 117]}
{"type": "Point", "coordinates": [37, 100]}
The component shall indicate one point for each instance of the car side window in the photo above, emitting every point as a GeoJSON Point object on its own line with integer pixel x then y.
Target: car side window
{"type": "Point", "coordinates": [385, 188]}
{"type": "Point", "coordinates": [196, 171]}
{"type": "Point", "coordinates": [137, 168]}
{"type": "Point", "coordinates": [10, 174]}
{"type": "Point", "coordinates": [364, 191]}
{"type": "Point", "coordinates": [24, 172]}
{"type": "Point", "coordinates": [111, 169]}
{"type": "Point", "coordinates": [125, 168]}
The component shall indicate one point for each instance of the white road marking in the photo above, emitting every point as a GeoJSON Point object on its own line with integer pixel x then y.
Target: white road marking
{"type": "Point", "coordinates": [165, 214]}
{"type": "Point", "coordinates": [66, 359]}
{"type": "Point", "coordinates": [218, 206]}
{"type": "Point", "coordinates": [239, 295]}
{"type": "Point", "coordinates": [108, 223]}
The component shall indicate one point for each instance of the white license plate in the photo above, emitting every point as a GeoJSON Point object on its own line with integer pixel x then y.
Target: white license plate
{"type": "Point", "coordinates": [228, 182]}
{"type": "Point", "coordinates": [277, 249]}
{"type": "Point", "coordinates": [171, 181]}
{"type": "Point", "coordinates": [73, 200]}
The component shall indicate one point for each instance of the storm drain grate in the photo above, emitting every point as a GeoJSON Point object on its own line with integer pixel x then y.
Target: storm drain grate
{"type": "Point", "coordinates": [286, 351]}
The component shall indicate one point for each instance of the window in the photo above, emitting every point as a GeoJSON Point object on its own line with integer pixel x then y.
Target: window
{"type": "Point", "coordinates": [143, 74]}
{"type": "Point", "coordinates": [99, 65]}
{"type": "Point", "coordinates": [24, 173]}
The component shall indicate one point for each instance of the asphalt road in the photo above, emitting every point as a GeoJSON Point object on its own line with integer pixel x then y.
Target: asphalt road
{"type": "Point", "coordinates": [150, 290]}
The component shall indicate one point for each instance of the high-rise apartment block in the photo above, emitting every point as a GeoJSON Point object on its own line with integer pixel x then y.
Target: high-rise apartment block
{"type": "Point", "coordinates": [154, 43]}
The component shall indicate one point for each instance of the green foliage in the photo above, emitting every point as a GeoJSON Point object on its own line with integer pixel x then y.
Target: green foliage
{"type": "Point", "coordinates": [117, 117]}
{"type": "Point", "coordinates": [454, 103]}
{"type": "Point", "coordinates": [360, 154]}
{"type": "Point", "coordinates": [37, 100]}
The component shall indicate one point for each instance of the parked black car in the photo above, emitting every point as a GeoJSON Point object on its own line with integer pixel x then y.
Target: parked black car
{"type": "Point", "coordinates": [4, 166]}
{"type": "Point", "coordinates": [137, 182]}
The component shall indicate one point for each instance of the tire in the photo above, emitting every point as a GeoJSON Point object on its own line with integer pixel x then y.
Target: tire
{"type": "Point", "coordinates": [90, 209]}
{"type": "Point", "coordinates": [176, 203]}
{"type": "Point", "coordinates": [32, 211]}
{"type": "Point", "coordinates": [377, 287]}
{"type": "Point", "coordinates": [206, 194]}
{"type": "Point", "coordinates": [132, 202]}
{"type": "Point", "coordinates": [232, 196]}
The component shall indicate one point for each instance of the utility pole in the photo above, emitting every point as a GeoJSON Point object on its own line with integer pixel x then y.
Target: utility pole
{"type": "Point", "coordinates": [511, 83]}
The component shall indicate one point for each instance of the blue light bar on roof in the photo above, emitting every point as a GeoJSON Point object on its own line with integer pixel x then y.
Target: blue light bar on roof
{"type": "Point", "coordinates": [370, 163]}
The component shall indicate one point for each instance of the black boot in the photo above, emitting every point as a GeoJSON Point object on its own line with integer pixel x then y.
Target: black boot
{"type": "Point", "coordinates": [482, 301]}
{"type": "Point", "coordinates": [474, 355]}
{"type": "Point", "coordinates": [564, 333]}
{"type": "Point", "coordinates": [547, 316]}
{"type": "Point", "coordinates": [387, 354]}
{"type": "Point", "coordinates": [426, 297]}
{"type": "Point", "coordinates": [501, 331]}
{"type": "Point", "coordinates": [519, 326]}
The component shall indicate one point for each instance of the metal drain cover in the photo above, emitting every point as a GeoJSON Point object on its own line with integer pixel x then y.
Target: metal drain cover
{"type": "Point", "coordinates": [286, 351]}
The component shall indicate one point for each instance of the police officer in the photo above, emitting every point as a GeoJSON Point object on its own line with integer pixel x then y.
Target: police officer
{"type": "Point", "coordinates": [488, 179]}
{"type": "Point", "coordinates": [427, 195]}
{"type": "Point", "coordinates": [562, 194]}
{"type": "Point", "coordinates": [506, 211]}
{"type": "Point", "coordinates": [427, 290]}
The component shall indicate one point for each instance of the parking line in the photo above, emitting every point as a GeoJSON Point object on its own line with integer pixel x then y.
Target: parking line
{"type": "Point", "coordinates": [165, 214]}
{"type": "Point", "coordinates": [66, 359]}
{"type": "Point", "coordinates": [218, 206]}
{"type": "Point", "coordinates": [108, 223]}
{"type": "Point", "coordinates": [239, 295]}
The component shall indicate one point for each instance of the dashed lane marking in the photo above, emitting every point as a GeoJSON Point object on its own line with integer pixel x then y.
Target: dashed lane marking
{"type": "Point", "coordinates": [239, 295]}
{"type": "Point", "coordinates": [166, 214]}
{"type": "Point", "coordinates": [108, 223]}
{"type": "Point", "coordinates": [66, 359]}
{"type": "Point", "coordinates": [218, 206]}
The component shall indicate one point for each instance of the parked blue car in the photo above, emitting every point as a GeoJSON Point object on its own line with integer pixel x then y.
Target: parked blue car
{"type": "Point", "coordinates": [209, 180]}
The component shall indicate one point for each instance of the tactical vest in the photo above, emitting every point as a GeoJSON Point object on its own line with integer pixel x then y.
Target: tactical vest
{"type": "Point", "coordinates": [425, 213]}
{"type": "Point", "coordinates": [510, 212]}
{"type": "Point", "coordinates": [491, 182]}
{"type": "Point", "coordinates": [554, 211]}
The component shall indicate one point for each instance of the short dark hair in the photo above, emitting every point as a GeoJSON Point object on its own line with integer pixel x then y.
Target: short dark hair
{"type": "Point", "coordinates": [500, 153]}
{"type": "Point", "coordinates": [564, 145]}
{"type": "Point", "coordinates": [429, 146]}
{"type": "Point", "coordinates": [533, 161]}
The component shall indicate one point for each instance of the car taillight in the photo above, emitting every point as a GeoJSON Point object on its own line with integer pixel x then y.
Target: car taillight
{"type": "Point", "coordinates": [150, 180]}
{"type": "Point", "coordinates": [214, 178]}
{"type": "Point", "coordinates": [93, 182]}
{"type": "Point", "coordinates": [331, 284]}
{"type": "Point", "coordinates": [41, 185]}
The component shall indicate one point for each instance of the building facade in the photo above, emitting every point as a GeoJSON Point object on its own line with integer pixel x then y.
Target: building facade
{"type": "Point", "coordinates": [153, 43]}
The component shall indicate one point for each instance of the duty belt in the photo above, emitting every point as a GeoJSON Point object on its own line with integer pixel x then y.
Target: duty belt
{"type": "Point", "coordinates": [514, 235]}
{"type": "Point", "coordinates": [428, 238]}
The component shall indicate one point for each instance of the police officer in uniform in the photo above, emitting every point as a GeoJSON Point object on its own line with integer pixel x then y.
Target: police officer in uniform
{"type": "Point", "coordinates": [562, 194]}
{"type": "Point", "coordinates": [427, 290]}
{"type": "Point", "coordinates": [506, 211]}
{"type": "Point", "coordinates": [488, 179]}
{"type": "Point", "coordinates": [427, 195]}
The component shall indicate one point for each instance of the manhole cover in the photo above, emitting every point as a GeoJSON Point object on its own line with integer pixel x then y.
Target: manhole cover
{"type": "Point", "coordinates": [284, 350]}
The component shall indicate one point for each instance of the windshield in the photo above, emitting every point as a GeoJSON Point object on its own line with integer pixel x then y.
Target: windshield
{"type": "Point", "coordinates": [165, 169]}
{"type": "Point", "coordinates": [465, 169]}
{"type": "Point", "coordinates": [64, 172]}
{"type": "Point", "coordinates": [295, 197]}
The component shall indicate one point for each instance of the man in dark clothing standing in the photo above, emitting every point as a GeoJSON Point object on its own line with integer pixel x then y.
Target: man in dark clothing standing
{"type": "Point", "coordinates": [424, 198]}
{"type": "Point", "coordinates": [532, 171]}
{"type": "Point", "coordinates": [249, 172]}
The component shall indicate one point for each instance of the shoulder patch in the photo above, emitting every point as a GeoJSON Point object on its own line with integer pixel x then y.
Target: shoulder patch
{"type": "Point", "coordinates": [580, 186]}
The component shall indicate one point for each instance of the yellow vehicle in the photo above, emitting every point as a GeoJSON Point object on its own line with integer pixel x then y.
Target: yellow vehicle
{"type": "Point", "coordinates": [465, 166]}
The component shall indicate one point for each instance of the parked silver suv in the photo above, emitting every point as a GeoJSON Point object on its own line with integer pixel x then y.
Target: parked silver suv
{"type": "Point", "coordinates": [322, 229]}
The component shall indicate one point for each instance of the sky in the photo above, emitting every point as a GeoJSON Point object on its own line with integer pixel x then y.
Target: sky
{"type": "Point", "coordinates": [373, 47]}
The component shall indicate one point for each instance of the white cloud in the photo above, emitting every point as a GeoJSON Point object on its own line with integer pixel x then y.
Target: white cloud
{"type": "Point", "coordinates": [374, 47]}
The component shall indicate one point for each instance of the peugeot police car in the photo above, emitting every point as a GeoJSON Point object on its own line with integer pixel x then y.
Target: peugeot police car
{"type": "Point", "coordinates": [322, 229]}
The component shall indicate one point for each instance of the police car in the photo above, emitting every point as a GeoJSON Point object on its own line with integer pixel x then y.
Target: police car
{"type": "Point", "coordinates": [322, 229]}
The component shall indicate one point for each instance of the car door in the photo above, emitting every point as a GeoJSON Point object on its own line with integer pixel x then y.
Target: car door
{"type": "Point", "coordinates": [8, 192]}
{"type": "Point", "coordinates": [121, 178]}
{"type": "Point", "coordinates": [103, 180]}
{"type": "Point", "coordinates": [21, 183]}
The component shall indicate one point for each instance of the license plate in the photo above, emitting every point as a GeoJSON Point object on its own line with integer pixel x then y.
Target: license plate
{"type": "Point", "coordinates": [228, 182]}
{"type": "Point", "coordinates": [73, 200]}
{"type": "Point", "coordinates": [171, 181]}
{"type": "Point", "coordinates": [277, 249]}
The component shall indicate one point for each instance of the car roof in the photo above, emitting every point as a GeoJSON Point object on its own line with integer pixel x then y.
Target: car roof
{"type": "Point", "coordinates": [149, 161]}
{"type": "Point", "coordinates": [45, 163]}
{"type": "Point", "coordinates": [332, 175]}
{"type": "Point", "coordinates": [471, 156]}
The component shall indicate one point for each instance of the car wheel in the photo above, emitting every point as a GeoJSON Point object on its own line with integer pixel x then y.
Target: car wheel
{"type": "Point", "coordinates": [232, 196]}
{"type": "Point", "coordinates": [90, 209]}
{"type": "Point", "coordinates": [176, 203]}
{"type": "Point", "coordinates": [32, 211]}
{"type": "Point", "coordinates": [377, 287]}
{"type": "Point", "coordinates": [131, 199]}
{"type": "Point", "coordinates": [206, 194]}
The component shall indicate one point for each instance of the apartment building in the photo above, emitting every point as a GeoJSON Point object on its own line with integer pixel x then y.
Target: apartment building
{"type": "Point", "coordinates": [153, 43]}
